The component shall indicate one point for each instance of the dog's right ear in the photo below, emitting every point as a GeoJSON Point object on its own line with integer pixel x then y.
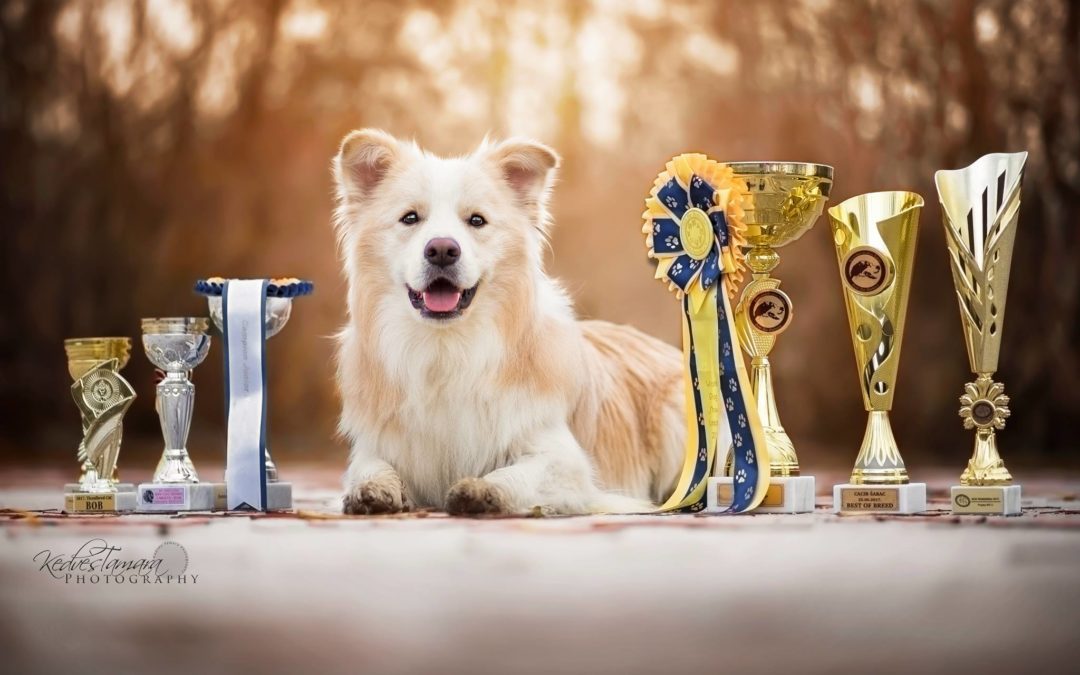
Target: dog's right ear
{"type": "Point", "coordinates": [363, 161]}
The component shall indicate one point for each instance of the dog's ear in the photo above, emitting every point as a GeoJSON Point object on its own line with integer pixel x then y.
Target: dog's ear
{"type": "Point", "coordinates": [528, 167]}
{"type": "Point", "coordinates": [363, 160]}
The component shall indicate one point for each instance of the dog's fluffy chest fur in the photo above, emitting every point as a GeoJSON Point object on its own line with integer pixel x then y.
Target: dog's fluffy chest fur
{"type": "Point", "coordinates": [443, 405]}
{"type": "Point", "coordinates": [459, 418]}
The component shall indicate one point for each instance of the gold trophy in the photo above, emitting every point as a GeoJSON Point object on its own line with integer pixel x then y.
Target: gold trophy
{"type": "Point", "coordinates": [786, 199]}
{"type": "Point", "coordinates": [103, 396]}
{"type": "Point", "coordinates": [981, 205]}
{"type": "Point", "coordinates": [875, 236]}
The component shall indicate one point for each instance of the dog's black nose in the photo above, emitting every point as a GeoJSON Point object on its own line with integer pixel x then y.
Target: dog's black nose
{"type": "Point", "coordinates": [442, 252]}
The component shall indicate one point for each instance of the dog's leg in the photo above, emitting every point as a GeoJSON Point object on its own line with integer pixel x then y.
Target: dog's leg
{"type": "Point", "coordinates": [372, 486]}
{"type": "Point", "coordinates": [551, 472]}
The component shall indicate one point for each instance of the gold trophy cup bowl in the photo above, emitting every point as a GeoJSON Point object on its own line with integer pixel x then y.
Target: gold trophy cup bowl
{"type": "Point", "coordinates": [786, 199]}
{"type": "Point", "coordinates": [85, 353]}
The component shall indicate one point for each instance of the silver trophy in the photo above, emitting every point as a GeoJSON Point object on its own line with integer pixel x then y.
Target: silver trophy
{"type": "Point", "coordinates": [176, 346]}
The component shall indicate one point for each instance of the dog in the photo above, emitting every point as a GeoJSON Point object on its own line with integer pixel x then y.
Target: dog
{"type": "Point", "coordinates": [466, 382]}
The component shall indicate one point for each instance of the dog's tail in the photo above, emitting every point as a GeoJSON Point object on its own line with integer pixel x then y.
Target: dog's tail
{"type": "Point", "coordinates": [610, 502]}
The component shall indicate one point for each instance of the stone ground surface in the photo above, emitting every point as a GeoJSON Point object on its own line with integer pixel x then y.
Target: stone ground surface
{"type": "Point", "coordinates": [314, 592]}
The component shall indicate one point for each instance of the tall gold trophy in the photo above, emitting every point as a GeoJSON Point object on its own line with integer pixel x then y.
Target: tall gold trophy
{"type": "Point", "coordinates": [875, 236]}
{"type": "Point", "coordinates": [786, 199]}
{"type": "Point", "coordinates": [981, 205]}
{"type": "Point", "coordinates": [103, 396]}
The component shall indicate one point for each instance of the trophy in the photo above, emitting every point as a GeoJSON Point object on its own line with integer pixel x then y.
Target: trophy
{"type": "Point", "coordinates": [103, 396]}
{"type": "Point", "coordinates": [275, 297]}
{"type": "Point", "coordinates": [786, 199]}
{"type": "Point", "coordinates": [175, 345]}
{"type": "Point", "coordinates": [981, 205]}
{"type": "Point", "coordinates": [875, 236]}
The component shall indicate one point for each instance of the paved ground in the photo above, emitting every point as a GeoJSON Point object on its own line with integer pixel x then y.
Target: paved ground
{"type": "Point", "coordinates": [314, 592]}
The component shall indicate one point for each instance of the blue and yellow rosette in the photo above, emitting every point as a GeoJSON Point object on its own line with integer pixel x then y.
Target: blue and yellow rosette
{"type": "Point", "coordinates": [693, 229]}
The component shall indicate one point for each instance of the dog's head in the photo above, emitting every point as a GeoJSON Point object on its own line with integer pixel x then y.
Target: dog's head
{"type": "Point", "coordinates": [440, 236]}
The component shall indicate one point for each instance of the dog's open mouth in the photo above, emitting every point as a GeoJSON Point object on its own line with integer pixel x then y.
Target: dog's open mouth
{"type": "Point", "coordinates": [441, 299]}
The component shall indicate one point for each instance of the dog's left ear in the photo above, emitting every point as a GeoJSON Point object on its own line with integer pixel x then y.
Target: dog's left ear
{"type": "Point", "coordinates": [362, 162]}
{"type": "Point", "coordinates": [528, 167]}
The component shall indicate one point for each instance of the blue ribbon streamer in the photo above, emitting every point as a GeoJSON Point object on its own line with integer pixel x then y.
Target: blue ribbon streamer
{"type": "Point", "coordinates": [677, 199]}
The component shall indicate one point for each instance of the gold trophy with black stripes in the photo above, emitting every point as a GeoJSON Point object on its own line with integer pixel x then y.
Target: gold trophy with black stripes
{"type": "Point", "coordinates": [981, 205]}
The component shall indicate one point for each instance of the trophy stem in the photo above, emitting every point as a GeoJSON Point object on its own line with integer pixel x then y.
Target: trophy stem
{"type": "Point", "coordinates": [271, 468]}
{"type": "Point", "coordinates": [986, 466]}
{"type": "Point", "coordinates": [879, 461]}
{"type": "Point", "coordinates": [175, 401]}
{"type": "Point", "coordinates": [91, 482]}
{"type": "Point", "coordinates": [781, 449]}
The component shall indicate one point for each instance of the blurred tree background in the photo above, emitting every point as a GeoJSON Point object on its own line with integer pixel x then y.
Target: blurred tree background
{"type": "Point", "coordinates": [148, 143]}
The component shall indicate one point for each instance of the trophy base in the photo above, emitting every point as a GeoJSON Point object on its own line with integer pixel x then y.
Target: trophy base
{"type": "Point", "coordinates": [120, 487]}
{"type": "Point", "coordinates": [123, 501]}
{"type": "Point", "coordinates": [792, 494]}
{"type": "Point", "coordinates": [987, 500]}
{"type": "Point", "coordinates": [893, 499]}
{"type": "Point", "coordinates": [278, 496]}
{"type": "Point", "coordinates": [159, 497]}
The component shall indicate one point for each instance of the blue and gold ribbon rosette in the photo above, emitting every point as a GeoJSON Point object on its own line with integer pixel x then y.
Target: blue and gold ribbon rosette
{"type": "Point", "coordinates": [693, 229]}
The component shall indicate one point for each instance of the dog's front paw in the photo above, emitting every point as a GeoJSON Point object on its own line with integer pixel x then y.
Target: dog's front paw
{"type": "Point", "coordinates": [475, 496]}
{"type": "Point", "coordinates": [381, 494]}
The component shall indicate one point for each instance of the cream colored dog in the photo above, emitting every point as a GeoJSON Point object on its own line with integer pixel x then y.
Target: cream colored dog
{"type": "Point", "coordinates": [466, 382]}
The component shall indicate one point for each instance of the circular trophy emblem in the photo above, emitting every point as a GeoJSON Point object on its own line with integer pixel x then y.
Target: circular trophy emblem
{"type": "Point", "coordinates": [173, 557]}
{"type": "Point", "coordinates": [103, 390]}
{"type": "Point", "coordinates": [770, 311]}
{"type": "Point", "coordinates": [100, 391]}
{"type": "Point", "coordinates": [982, 412]}
{"type": "Point", "coordinates": [695, 230]}
{"type": "Point", "coordinates": [866, 271]}
{"type": "Point", "coordinates": [963, 500]}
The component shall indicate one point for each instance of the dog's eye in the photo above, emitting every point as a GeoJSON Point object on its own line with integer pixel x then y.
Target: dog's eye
{"type": "Point", "coordinates": [477, 220]}
{"type": "Point", "coordinates": [411, 218]}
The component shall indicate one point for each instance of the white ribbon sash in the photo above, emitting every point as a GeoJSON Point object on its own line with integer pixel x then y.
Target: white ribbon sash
{"type": "Point", "coordinates": [244, 308]}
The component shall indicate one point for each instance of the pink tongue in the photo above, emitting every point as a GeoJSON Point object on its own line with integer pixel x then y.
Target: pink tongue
{"type": "Point", "coordinates": [441, 300]}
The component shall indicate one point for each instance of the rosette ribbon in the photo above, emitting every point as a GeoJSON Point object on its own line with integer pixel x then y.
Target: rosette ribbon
{"type": "Point", "coordinates": [693, 227]}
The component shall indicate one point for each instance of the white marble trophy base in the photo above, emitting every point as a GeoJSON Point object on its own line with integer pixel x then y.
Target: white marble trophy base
{"type": "Point", "coordinates": [169, 497]}
{"type": "Point", "coordinates": [278, 496]}
{"type": "Point", "coordinates": [121, 501]}
{"type": "Point", "coordinates": [894, 499]}
{"type": "Point", "coordinates": [792, 494]}
{"type": "Point", "coordinates": [120, 487]}
{"type": "Point", "coordinates": [987, 500]}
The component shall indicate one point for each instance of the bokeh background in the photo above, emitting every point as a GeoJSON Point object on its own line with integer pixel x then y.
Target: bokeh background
{"type": "Point", "coordinates": [148, 143]}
